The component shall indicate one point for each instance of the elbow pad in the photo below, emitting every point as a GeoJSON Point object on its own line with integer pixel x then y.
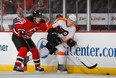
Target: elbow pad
{"type": "Point", "coordinates": [51, 30]}
{"type": "Point", "coordinates": [71, 43]}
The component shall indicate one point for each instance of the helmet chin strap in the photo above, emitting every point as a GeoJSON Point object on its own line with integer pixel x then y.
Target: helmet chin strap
{"type": "Point", "coordinates": [34, 20]}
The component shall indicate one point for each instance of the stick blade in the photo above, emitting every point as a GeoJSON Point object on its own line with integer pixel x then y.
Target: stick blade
{"type": "Point", "coordinates": [91, 67]}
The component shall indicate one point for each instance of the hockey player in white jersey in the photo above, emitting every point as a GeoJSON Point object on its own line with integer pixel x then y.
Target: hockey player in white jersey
{"type": "Point", "coordinates": [60, 35]}
{"type": "Point", "coordinates": [68, 30]}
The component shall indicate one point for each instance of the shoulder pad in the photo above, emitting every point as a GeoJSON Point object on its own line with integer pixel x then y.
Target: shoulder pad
{"type": "Point", "coordinates": [30, 18]}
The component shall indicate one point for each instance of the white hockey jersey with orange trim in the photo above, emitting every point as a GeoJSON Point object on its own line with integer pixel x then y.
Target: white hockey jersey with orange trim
{"type": "Point", "coordinates": [62, 22]}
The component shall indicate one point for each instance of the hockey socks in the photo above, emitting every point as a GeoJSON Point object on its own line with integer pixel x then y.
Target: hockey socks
{"type": "Point", "coordinates": [36, 56]}
{"type": "Point", "coordinates": [21, 55]}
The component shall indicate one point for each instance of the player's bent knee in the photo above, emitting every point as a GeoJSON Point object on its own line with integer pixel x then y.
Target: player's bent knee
{"type": "Point", "coordinates": [34, 49]}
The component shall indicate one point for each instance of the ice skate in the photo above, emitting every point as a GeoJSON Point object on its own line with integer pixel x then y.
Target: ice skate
{"type": "Point", "coordinates": [39, 69]}
{"type": "Point", "coordinates": [61, 69]}
{"type": "Point", "coordinates": [18, 69]}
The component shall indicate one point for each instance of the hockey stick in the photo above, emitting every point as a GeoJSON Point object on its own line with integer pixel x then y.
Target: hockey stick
{"type": "Point", "coordinates": [89, 67]}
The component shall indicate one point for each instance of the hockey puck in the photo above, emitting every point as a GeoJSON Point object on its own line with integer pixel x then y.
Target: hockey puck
{"type": "Point", "coordinates": [107, 74]}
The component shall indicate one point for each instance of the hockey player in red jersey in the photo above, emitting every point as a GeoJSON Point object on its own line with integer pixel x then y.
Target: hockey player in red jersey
{"type": "Point", "coordinates": [22, 32]}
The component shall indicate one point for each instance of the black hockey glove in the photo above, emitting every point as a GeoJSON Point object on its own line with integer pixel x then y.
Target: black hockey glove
{"type": "Point", "coordinates": [71, 43]}
{"type": "Point", "coordinates": [59, 29]}
{"type": "Point", "coordinates": [21, 32]}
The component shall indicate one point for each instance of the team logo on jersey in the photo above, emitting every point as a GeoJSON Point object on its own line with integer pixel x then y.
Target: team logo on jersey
{"type": "Point", "coordinates": [41, 43]}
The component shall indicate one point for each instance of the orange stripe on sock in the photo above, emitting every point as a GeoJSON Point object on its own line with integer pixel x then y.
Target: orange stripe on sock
{"type": "Point", "coordinates": [61, 53]}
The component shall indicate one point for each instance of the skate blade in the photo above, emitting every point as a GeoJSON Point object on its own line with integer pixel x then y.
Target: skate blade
{"type": "Point", "coordinates": [16, 72]}
{"type": "Point", "coordinates": [64, 72]}
{"type": "Point", "coordinates": [40, 72]}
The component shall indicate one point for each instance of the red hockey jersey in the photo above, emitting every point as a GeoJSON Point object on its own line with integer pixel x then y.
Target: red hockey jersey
{"type": "Point", "coordinates": [29, 26]}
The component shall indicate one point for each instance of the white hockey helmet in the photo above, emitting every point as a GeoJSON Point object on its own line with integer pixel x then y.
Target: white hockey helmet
{"type": "Point", "coordinates": [72, 17]}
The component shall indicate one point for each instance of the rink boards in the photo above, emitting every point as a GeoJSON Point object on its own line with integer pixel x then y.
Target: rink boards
{"type": "Point", "coordinates": [92, 48]}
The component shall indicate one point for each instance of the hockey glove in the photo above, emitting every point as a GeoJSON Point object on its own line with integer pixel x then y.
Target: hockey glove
{"type": "Point", "coordinates": [21, 32]}
{"type": "Point", "coordinates": [71, 43]}
{"type": "Point", "coordinates": [59, 29]}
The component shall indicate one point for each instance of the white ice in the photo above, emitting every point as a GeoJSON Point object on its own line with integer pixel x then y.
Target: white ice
{"type": "Point", "coordinates": [50, 75]}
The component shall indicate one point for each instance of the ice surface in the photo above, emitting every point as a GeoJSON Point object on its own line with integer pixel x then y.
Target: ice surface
{"type": "Point", "coordinates": [50, 75]}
